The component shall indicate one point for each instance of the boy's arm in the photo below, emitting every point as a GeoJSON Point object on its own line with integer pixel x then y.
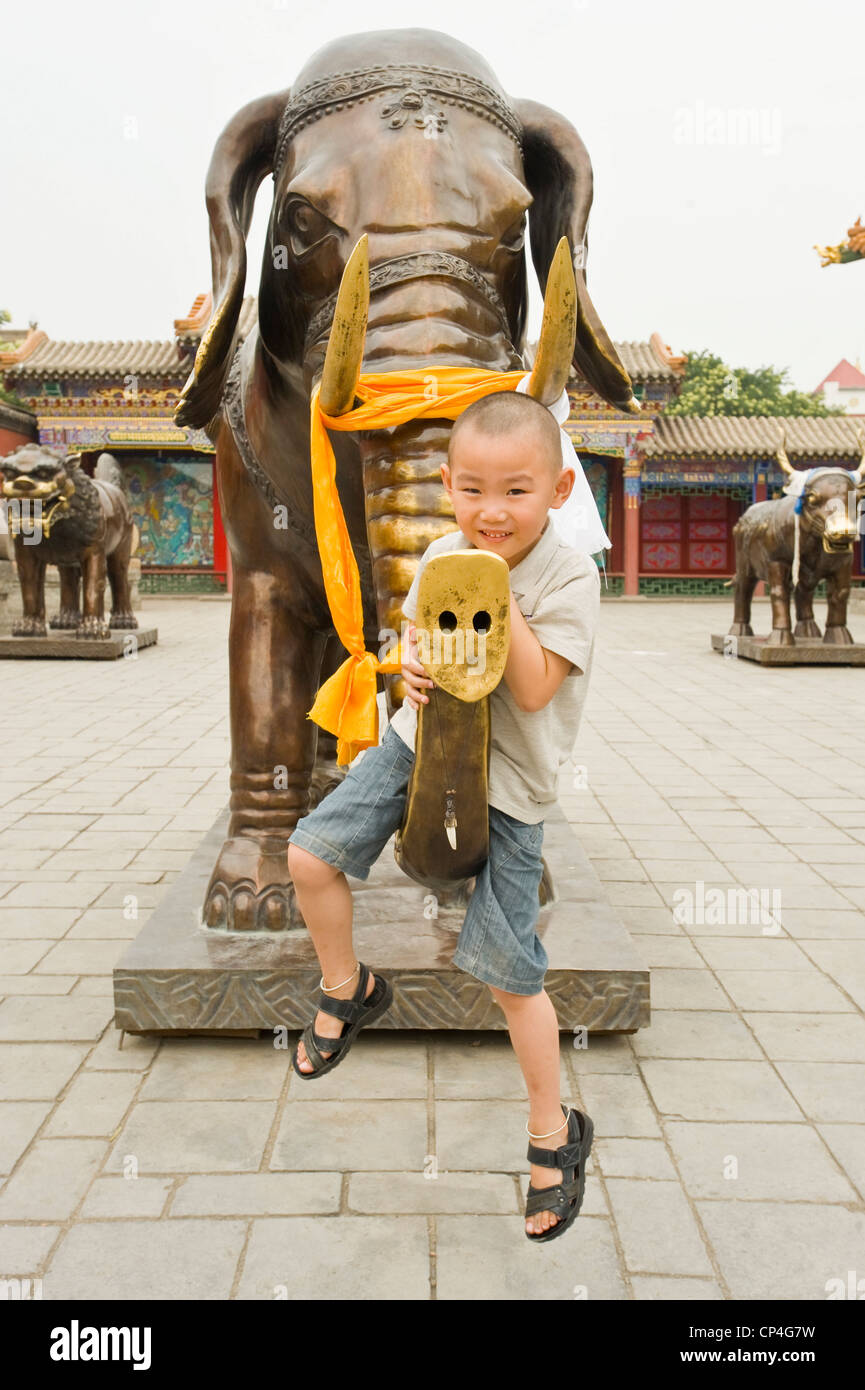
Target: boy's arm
{"type": "Point", "coordinates": [557, 643]}
{"type": "Point", "coordinates": [532, 674]}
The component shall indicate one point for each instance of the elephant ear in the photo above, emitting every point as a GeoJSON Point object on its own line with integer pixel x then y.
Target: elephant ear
{"type": "Point", "coordinates": [559, 177]}
{"type": "Point", "coordinates": [242, 157]}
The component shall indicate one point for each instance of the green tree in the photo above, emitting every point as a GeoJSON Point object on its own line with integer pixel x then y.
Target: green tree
{"type": "Point", "coordinates": [711, 387]}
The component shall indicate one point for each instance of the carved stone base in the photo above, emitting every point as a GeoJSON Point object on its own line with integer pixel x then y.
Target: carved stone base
{"type": "Point", "coordinates": [804, 652]}
{"type": "Point", "coordinates": [67, 645]}
{"type": "Point", "coordinates": [180, 977]}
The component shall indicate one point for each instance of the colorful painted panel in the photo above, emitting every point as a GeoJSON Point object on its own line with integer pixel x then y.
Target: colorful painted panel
{"type": "Point", "coordinates": [657, 556]}
{"type": "Point", "coordinates": [705, 556]}
{"type": "Point", "coordinates": [708, 508]}
{"type": "Point", "coordinates": [596, 475]}
{"type": "Point", "coordinates": [661, 533]}
{"type": "Point", "coordinates": [661, 508]}
{"type": "Point", "coordinates": [172, 502]}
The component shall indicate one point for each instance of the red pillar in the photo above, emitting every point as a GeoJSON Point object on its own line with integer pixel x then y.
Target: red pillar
{"type": "Point", "coordinates": [221, 556]}
{"type": "Point", "coordinates": [632, 521]}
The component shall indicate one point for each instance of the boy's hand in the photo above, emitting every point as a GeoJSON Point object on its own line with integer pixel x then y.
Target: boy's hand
{"type": "Point", "coordinates": [414, 674]}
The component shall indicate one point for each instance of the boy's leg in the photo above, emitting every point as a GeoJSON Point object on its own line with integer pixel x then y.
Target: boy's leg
{"type": "Point", "coordinates": [499, 945]}
{"type": "Point", "coordinates": [324, 898]}
{"type": "Point", "coordinates": [534, 1032]}
{"type": "Point", "coordinates": [345, 834]}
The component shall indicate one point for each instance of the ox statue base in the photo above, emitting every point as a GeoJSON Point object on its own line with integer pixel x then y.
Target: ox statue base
{"type": "Point", "coordinates": [803, 651]}
{"type": "Point", "coordinates": [178, 976]}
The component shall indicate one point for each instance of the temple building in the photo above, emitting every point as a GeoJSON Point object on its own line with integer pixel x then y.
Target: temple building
{"type": "Point", "coordinates": [670, 488]}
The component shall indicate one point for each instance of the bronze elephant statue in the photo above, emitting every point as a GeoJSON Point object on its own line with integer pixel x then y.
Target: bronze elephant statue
{"type": "Point", "coordinates": [407, 139]}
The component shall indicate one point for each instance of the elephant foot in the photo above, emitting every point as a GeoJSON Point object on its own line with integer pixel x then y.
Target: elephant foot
{"type": "Point", "coordinates": [780, 637]}
{"type": "Point", "coordinates": [123, 620]}
{"type": "Point", "coordinates": [837, 636]}
{"type": "Point", "coordinates": [93, 627]}
{"type": "Point", "coordinates": [66, 618]}
{"type": "Point", "coordinates": [741, 630]}
{"type": "Point", "coordinates": [250, 888]}
{"type": "Point", "coordinates": [807, 628]}
{"type": "Point", "coordinates": [29, 627]}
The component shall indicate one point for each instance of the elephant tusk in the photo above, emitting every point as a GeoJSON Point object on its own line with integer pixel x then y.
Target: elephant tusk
{"type": "Point", "coordinates": [345, 345]}
{"type": "Point", "coordinates": [555, 352]}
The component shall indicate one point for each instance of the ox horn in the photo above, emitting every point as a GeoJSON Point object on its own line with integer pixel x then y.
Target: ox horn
{"type": "Point", "coordinates": [555, 352]}
{"type": "Point", "coordinates": [781, 456]}
{"type": "Point", "coordinates": [859, 474]}
{"type": "Point", "coordinates": [345, 345]}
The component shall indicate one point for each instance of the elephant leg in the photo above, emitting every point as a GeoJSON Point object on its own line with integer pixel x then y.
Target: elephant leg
{"type": "Point", "coordinates": [69, 615]}
{"type": "Point", "coordinates": [31, 578]}
{"type": "Point", "coordinates": [837, 593]}
{"type": "Point", "coordinates": [803, 598]}
{"type": "Point", "coordinates": [779, 593]}
{"type": "Point", "coordinates": [274, 662]}
{"type": "Point", "coordinates": [117, 564]}
{"type": "Point", "coordinates": [741, 625]}
{"type": "Point", "coordinates": [93, 622]}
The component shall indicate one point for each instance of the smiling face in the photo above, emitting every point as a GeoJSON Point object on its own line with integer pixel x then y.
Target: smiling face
{"type": "Point", "coordinates": [502, 486]}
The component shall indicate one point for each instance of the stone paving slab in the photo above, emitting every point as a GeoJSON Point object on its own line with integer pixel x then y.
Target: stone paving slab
{"type": "Point", "coordinates": [145, 1260]}
{"type": "Point", "coordinates": [729, 1155]}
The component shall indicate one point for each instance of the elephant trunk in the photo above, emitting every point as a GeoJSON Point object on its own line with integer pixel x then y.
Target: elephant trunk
{"type": "Point", "coordinates": [424, 320]}
{"type": "Point", "coordinates": [406, 504]}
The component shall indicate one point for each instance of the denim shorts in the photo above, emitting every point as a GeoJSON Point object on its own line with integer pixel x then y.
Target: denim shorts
{"type": "Point", "coordinates": [498, 942]}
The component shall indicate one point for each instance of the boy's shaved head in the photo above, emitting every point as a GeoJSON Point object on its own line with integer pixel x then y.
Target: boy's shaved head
{"type": "Point", "coordinates": [504, 412]}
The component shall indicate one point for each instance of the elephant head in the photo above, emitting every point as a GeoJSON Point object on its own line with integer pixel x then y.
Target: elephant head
{"type": "Point", "coordinates": [405, 136]}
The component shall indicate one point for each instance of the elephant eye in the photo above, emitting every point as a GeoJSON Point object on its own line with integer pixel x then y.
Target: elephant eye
{"type": "Point", "coordinates": [306, 226]}
{"type": "Point", "coordinates": [514, 238]}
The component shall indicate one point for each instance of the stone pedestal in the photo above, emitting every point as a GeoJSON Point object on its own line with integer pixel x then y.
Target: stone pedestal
{"type": "Point", "coordinates": [180, 977]}
{"type": "Point", "coordinates": [806, 651]}
{"type": "Point", "coordinates": [122, 642]}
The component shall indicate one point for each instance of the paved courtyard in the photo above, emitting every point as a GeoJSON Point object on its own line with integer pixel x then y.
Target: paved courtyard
{"type": "Point", "coordinates": [729, 1157]}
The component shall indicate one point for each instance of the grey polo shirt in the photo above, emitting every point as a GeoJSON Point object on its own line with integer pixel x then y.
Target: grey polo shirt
{"type": "Point", "coordinates": [558, 592]}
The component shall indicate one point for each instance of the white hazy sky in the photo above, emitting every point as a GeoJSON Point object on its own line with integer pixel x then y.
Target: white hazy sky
{"type": "Point", "coordinates": [726, 139]}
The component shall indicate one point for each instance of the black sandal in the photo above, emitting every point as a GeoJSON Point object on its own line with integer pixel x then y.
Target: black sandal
{"type": "Point", "coordinates": [564, 1199]}
{"type": "Point", "coordinates": [356, 1013]}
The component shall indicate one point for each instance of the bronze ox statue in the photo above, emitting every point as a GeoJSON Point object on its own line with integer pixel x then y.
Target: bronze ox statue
{"type": "Point", "coordinates": [795, 541]}
{"type": "Point", "coordinates": [84, 526]}
{"type": "Point", "coordinates": [405, 141]}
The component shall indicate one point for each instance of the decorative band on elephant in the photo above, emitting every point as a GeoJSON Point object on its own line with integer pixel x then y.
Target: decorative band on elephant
{"type": "Point", "coordinates": [404, 179]}
{"type": "Point", "coordinates": [795, 541]}
{"type": "Point", "coordinates": [57, 515]}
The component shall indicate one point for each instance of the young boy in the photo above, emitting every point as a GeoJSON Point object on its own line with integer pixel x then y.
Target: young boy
{"type": "Point", "coordinates": [504, 475]}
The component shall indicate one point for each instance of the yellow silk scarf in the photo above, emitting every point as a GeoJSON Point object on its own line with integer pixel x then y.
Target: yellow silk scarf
{"type": "Point", "coordinates": [346, 703]}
